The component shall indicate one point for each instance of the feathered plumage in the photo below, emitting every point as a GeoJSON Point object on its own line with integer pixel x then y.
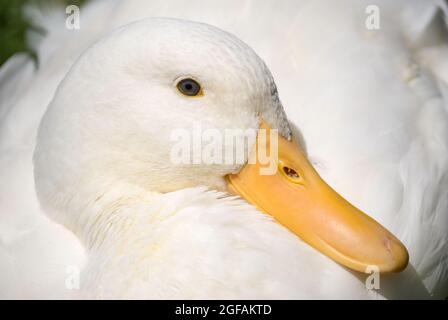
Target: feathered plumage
{"type": "Point", "coordinates": [370, 105]}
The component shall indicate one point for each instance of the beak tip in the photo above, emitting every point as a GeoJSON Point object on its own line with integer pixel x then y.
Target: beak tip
{"type": "Point", "coordinates": [402, 258]}
{"type": "Point", "coordinates": [399, 259]}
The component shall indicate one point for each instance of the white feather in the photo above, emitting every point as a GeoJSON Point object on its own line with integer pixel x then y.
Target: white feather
{"type": "Point", "coordinates": [371, 107]}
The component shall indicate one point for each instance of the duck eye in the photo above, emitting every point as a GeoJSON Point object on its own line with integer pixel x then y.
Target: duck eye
{"type": "Point", "coordinates": [189, 87]}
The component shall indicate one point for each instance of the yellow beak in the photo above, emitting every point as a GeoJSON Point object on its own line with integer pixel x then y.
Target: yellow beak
{"type": "Point", "coordinates": [297, 197]}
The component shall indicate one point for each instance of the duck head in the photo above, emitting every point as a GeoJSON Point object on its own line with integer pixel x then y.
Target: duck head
{"type": "Point", "coordinates": [109, 132]}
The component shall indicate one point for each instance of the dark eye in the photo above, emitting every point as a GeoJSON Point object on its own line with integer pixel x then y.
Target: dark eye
{"type": "Point", "coordinates": [189, 87]}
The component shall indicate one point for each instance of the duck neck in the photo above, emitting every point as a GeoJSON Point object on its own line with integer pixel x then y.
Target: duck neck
{"type": "Point", "coordinates": [106, 214]}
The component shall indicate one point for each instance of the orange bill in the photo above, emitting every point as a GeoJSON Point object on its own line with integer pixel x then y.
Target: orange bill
{"type": "Point", "coordinates": [297, 197]}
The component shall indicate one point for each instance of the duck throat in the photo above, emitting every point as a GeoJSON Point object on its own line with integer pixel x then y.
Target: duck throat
{"type": "Point", "coordinates": [96, 212]}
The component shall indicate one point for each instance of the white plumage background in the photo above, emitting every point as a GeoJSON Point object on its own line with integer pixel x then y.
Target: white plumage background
{"type": "Point", "coordinates": [371, 106]}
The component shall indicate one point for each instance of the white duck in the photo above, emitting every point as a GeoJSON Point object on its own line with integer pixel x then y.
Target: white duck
{"type": "Point", "coordinates": [332, 281]}
{"type": "Point", "coordinates": [103, 168]}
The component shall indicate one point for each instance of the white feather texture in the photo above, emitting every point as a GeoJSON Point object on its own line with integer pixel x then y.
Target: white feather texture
{"type": "Point", "coordinates": [369, 105]}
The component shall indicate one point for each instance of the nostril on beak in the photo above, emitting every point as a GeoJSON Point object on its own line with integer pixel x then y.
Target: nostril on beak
{"type": "Point", "coordinates": [290, 173]}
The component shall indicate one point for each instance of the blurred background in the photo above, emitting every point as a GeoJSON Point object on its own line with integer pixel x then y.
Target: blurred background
{"type": "Point", "coordinates": [14, 25]}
